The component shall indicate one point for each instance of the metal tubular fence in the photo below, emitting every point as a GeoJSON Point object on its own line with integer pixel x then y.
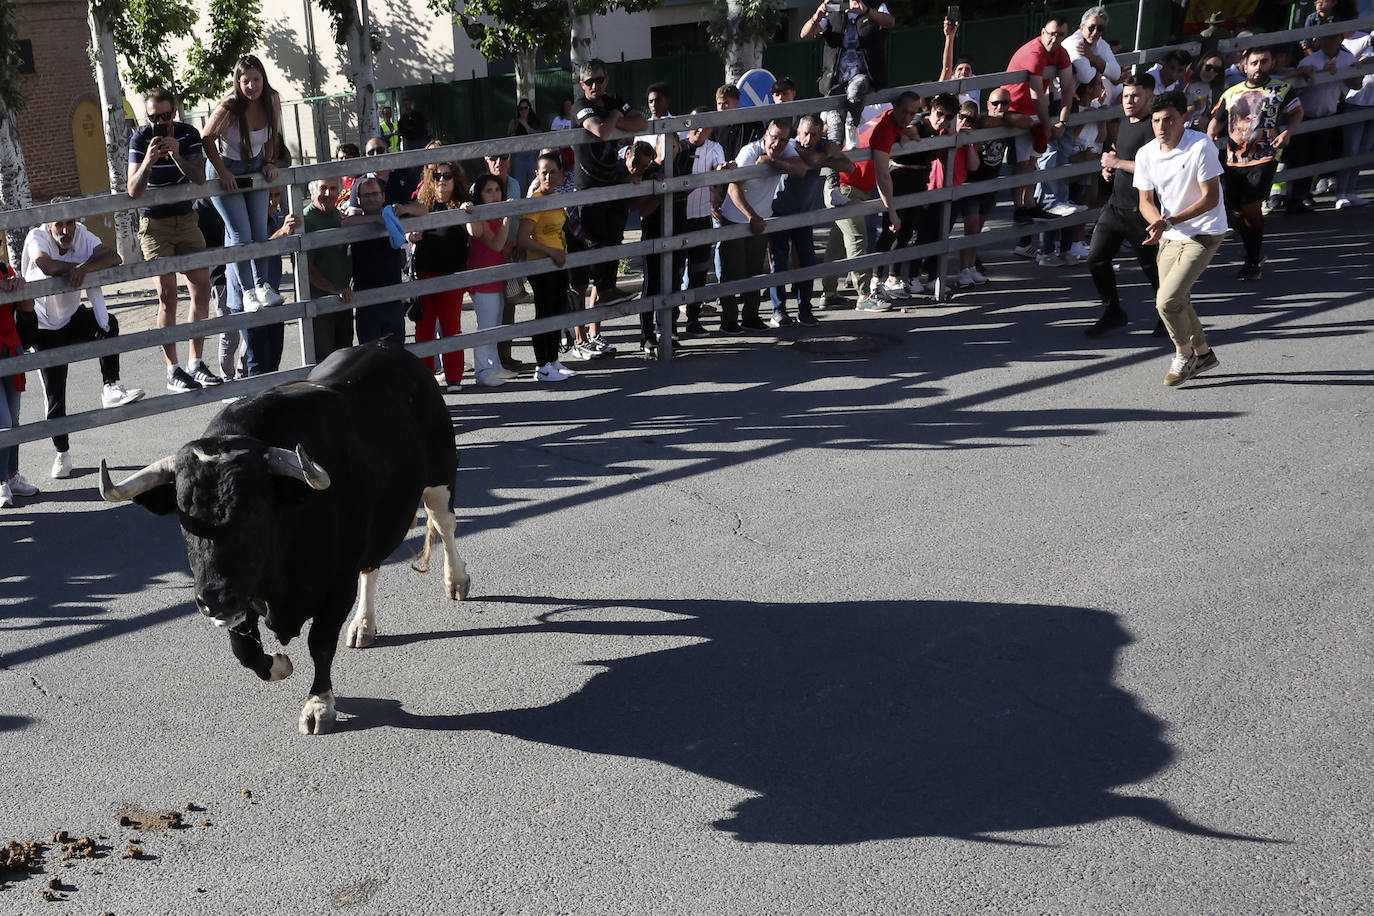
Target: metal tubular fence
{"type": "Point", "coordinates": [304, 309]}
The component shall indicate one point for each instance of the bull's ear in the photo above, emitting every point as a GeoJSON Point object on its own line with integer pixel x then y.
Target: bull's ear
{"type": "Point", "coordinates": [160, 500]}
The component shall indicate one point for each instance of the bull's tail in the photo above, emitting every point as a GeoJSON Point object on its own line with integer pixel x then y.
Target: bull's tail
{"type": "Point", "coordinates": [421, 562]}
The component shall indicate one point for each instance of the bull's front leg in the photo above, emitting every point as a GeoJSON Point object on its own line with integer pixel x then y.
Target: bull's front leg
{"type": "Point", "coordinates": [246, 641]}
{"type": "Point", "coordinates": [317, 716]}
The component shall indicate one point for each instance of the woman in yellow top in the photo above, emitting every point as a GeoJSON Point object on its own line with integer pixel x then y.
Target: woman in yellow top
{"type": "Point", "coordinates": [541, 236]}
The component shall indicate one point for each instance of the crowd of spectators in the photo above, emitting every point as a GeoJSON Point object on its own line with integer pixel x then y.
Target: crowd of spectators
{"type": "Point", "coordinates": [1253, 100]}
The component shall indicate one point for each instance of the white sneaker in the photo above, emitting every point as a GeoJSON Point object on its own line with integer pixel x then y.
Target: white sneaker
{"type": "Point", "coordinates": [978, 277]}
{"type": "Point", "coordinates": [19, 486]}
{"type": "Point", "coordinates": [1323, 186]}
{"type": "Point", "coordinates": [6, 497]}
{"type": "Point", "coordinates": [491, 380]}
{"type": "Point", "coordinates": [1066, 209]}
{"type": "Point", "coordinates": [918, 287]}
{"type": "Point", "coordinates": [61, 466]}
{"type": "Point", "coordinates": [1078, 252]}
{"type": "Point", "coordinates": [1050, 259]}
{"type": "Point", "coordinates": [251, 302]}
{"type": "Point", "coordinates": [1027, 251]}
{"type": "Point", "coordinates": [553, 372]}
{"type": "Point", "coordinates": [268, 296]}
{"type": "Point", "coordinates": [965, 279]}
{"type": "Point", "coordinates": [1351, 201]}
{"type": "Point", "coordinates": [894, 288]}
{"type": "Point", "coordinates": [567, 373]}
{"type": "Point", "coordinates": [116, 394]}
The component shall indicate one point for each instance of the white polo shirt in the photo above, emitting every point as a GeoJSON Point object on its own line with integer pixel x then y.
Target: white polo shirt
{"type": "Point", "coordinates": [1177, 177]}
{"type": "Point", "coordinates": [56, 309]}
{"type": "Point", "coordinates": [758, 191]}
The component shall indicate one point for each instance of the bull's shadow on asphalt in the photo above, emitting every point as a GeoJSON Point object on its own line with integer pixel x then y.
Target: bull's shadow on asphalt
{"type": "Point", "coordinates": [855, 721]}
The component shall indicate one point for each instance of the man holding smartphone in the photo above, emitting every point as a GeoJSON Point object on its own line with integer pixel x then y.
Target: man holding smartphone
{"type": "Point", "coordinates": [853, 61]}
{"type": "Point", "coordinates": [166, 153]}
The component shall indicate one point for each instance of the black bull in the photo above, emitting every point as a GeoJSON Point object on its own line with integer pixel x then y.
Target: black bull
{"type": "Point", "coordinates": [296, 495]}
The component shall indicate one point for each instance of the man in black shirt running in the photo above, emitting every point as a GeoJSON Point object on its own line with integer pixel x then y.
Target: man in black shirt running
{"type": "Point", "coordinates": [1120, 219]}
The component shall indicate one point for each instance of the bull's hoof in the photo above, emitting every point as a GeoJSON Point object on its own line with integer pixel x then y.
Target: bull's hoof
{"type": "Point", "coordinates": [359, 635]}
{"type": "Point", "coordinates": [317, 716]}
{"type": "Point", "coordinates": [281, 667]}
{"type": "Point", "coordinates": [457, 587]}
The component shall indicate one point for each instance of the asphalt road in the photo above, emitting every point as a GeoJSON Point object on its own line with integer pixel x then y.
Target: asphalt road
{"type": "Point", "coordinates": [979, 618]}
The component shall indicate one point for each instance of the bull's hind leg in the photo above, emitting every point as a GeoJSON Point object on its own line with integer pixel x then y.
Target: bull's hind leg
{"type": "Point", "coordinates": [362, 629]}
{"type": "Point", "coordinates": [246, 641]}
{"type": "Point", "coordinates": [438, 503]}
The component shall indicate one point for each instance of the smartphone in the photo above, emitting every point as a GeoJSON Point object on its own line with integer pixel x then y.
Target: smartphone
{"type": "Point", "coordinates": [834, 6]}
{"type": "Point", "coordinates": [245, 181]}
{"type": "Point", "coordinates": [166, 127]}
{"type": "Point", "coordinates": [952, 14]}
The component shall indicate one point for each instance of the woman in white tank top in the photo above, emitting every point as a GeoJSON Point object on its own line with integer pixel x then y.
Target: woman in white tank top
{"type": "Point", "coordinates": [243, 136]}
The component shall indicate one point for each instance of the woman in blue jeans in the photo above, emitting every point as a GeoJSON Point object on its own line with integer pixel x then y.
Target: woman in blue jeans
{"type": "Point", "coordinates": [243, 136]}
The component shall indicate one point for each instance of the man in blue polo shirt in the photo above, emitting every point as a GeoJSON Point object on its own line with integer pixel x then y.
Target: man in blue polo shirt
{"type": "Point", "coordinates": [166, 153]}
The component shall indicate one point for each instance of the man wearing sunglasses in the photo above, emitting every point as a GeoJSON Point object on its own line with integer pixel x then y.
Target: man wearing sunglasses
{"type": "Point", "coordinates": [1032, 98]}
{"type": "Point", "coordinates": [599, 165]}
{"type": "Point", "coordinates": [1091, 56]}
{"type": "Point", "coordinates": [166, 153]}
{"type": "Point", "coordinates": [398, 185]}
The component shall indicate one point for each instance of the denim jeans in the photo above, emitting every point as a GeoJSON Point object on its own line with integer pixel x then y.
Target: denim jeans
{"type": "Point", "coordinates": [1356, 139]}
{"type": "Point", "coordinates": [488, 307]}
{"type": "Point", "coordinates": [9, 418]}
{"type": "Point", "coordinates": [245, 221]}
{"type": "Point", "coordinates": [262, 346]}
{"type": "Point", "coordinates": [781, 245]}
{"type": "Point", "coordinates": [1057, 153]}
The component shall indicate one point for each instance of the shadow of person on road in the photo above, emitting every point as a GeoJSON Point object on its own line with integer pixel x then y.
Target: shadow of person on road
{"type": "Point", "coordinates": [858, 720]}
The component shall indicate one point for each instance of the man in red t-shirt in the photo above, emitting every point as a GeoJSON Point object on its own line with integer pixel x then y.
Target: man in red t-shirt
{"type": "Point", "coordinates": [1032, 97]}
{"type": "Point", "coordinates": [891, 128]}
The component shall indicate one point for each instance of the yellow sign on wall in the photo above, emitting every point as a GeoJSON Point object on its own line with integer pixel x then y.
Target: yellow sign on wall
{"type": "Point", "coordinates": [92, 170]}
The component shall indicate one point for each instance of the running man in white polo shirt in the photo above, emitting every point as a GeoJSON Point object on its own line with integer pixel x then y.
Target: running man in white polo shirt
{"type": "Point", "coordinates": [1182, 167]}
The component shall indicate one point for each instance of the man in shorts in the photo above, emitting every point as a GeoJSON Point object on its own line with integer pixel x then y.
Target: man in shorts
{"type": "Point", "coordinates": [1259, 117]}
{"type": "Point", "coordinates": [166, 153]}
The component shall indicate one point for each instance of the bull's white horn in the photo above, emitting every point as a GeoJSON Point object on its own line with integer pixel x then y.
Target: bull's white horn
{"type": "Point", "coordinates": [154, 475]}
{"type": "Point", "coordinates": [298, 465]}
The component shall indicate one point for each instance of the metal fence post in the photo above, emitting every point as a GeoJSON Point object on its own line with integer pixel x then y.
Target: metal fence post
{"type": "Point", "coordinates": [295, 201]}
{"type": "Point", "coordinates": [666, 315]}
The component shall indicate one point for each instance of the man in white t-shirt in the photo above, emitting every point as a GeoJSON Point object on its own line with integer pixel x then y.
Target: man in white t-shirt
{"type": "Point", "coordinates": [1182, 168]}
{"type": "Point", "coordinates": [751, 201]}
{"type": "Point", "coordinates": [66, 248]}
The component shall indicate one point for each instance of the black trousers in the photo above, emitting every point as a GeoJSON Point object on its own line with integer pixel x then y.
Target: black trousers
{"type": "Point", "coordinates": [1309, 149]}
{"type": "Point", "coordinates": [604, 224]}
{"type": "Point", "coordinates": [550, 298]}
{"type": "Point", "coordinates": [904, 181]}
{"type": "Point", "coordinates": [1114, 227]}
{"type": "Point", "coordinates": [81, 329]}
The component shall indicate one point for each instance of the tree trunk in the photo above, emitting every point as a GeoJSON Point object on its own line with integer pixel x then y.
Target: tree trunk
{"type": "Point", "coordinates": [524, 74]}
{"type": "Point", "coordinates": [361, 74]}
{"type": "Point", "coordinates": [14, 181]}
{"type": "Point", "coordinates": [116, 135]}
{"type": "Point", "coordinates": [583, 37]}
{"type": "Point", "coordinates": [741, 55]}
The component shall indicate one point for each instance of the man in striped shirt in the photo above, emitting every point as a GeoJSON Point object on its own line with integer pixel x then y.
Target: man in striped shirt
{"type": "Point", "coordinates": [166, 153]}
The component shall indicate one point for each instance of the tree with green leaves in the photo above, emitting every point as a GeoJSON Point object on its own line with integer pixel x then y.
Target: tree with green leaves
{"type": "Point", "coordinates": [738, 30]}
{"type": "Point", "coordinates": [359, 44]}
{"type": "Point", "coordinates": [14, 176]}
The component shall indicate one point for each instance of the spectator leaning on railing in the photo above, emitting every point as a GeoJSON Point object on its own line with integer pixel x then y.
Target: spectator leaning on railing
{"type": "Point", "coordinates": [65, 248]}
{"type": "Point", "coordinates": [331, 270]}
{"type": "Point", "coordinates": [692, 213]}
{"type": "Point", "coordinates": [12, 483]}
{"type": "Point", "coordinates": [1357, 138]}
{"type": "Point", "coordinates": [1319, 100]}
{"type": "Point", "coordinates": [1032, 98]}
{"type": "Point", "coordinates": [242, 138]}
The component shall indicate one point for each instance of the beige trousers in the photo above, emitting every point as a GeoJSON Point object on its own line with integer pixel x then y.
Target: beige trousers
{"type": "Point", "coordinates": [853, 236]}
{"type": "Point", "coordinates": [1180, 264]}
